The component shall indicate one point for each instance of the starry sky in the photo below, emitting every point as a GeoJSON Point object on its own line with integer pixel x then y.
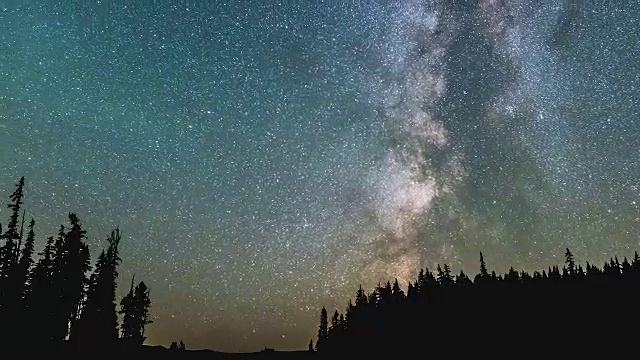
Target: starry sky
{"type": "Point", "coordinates": [263, 159]}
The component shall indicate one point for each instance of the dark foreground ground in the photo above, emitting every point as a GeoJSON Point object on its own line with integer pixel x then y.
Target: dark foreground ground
{"type": "Point", "coordinates": [159, 352]}
{"type": "Point", "coordinates": [498, 349]}
{"type": "Point", "coordinates": [156, 353]}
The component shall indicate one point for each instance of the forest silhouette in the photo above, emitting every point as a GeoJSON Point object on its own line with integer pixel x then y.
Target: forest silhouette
{"type": "Point", "coordinates": [61, 305]}
{"type": "Point", "coordinates": [60, 302]}
{"type": "Point", "coordinates": [573, 310]}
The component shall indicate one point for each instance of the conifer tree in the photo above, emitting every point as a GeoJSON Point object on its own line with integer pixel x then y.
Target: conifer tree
{"type": "Point", "coordinates": [41, 297]}
{"type": "Point", "coordinates": [571, 264]}
{"type": "Point", "coordinates": [361, 297]}
{"type": "Point", "coordinates": [444, 275]}
{"type": "Point", "coordinates": [135, 309]}
{"type": "Point", "coordinates": [98, 326]}
{"type": "Point", "coordinates": [127, 309]}
{"type": "Point", "coordinates": [323, 331]}
{"type": "Point", "coordinates": [484, 274]}
{"type": "Point", "coordinates": [463, 279]}
{"type": "Point", "coordinates": [396, 291]}
{"type": "Point", "coordinates": [335, 321]}
{"type": "Point", "coordinates": [8, 247]}
{"type": "Point", "coordinates": [142, 303]}
{"type": "Point", "coordinates": [72, 262]}
{"type": "Point", "coordinates": [25, 262]}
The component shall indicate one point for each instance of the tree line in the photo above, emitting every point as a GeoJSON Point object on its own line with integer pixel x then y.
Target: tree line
{"type": "Point", "coordinates": [60, 300]}
{"type": "Point", "coordinates": [574, 309]}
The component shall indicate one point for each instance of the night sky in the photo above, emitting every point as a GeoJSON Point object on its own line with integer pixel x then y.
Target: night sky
{"type": "Point", "coordinates": [264, 160]}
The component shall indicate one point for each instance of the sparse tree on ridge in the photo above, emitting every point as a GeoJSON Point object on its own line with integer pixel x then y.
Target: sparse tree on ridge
{"type": "Point", "coordinates": [483, 275]}
{"type": "Point", "coordinates": [571, 264]}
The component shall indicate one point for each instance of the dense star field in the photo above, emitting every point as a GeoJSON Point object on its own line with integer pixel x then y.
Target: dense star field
{"type": "Point", "coordinates": [263, 160]}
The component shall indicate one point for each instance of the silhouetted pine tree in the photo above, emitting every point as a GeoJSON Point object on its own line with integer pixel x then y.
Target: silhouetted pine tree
{"type": "Point", "coordinates": [25, 262]}
{"type": "Point", "coordinates": [135, 310]}
{"type": "Point", "coordinates": [396, 292]}
{"type": "Point", "coordinates": [311, 345]}
{"type": "Point", "coordinates": [483, 275]}
{"type": "Point", "coordinates": [127, 309]}
{"type": "Point", "coordinates": [12, 234]}
{"type": "Point", "coordinates": [444, 276]}
{"type": "Point", "coordinates": [42, 295]}
{"type": "Point", "coordinates": [72, 262]}
{"type": "Point", "coordinates": [9, 282]}
{"type": "Point", "coordinates": [11, 279]}
{"type": "Point", "coordinates": [98, 324]}
{"type": "Point", "coordinates": [323, 330]}
{"type": "Point", "coordinates": [571, 264]}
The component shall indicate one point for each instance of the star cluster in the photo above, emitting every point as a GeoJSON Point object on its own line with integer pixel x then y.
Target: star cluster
{"type": "Point", "coordinates": [263, 160]}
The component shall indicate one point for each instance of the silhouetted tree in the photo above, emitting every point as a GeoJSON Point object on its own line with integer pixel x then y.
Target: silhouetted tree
{"type": "Point", "coordinates": [98, 324]}
{"type": "Point", "coordinates": [135, 309]}
{"type": "Point", "coordinates": [311, 345]}
{"type": "Point", "coordinates": [71, 264]}
{"type": "Point", "coordinates": [26, 261]}
{"type": "Point", "coordinates": [42, 295]}
{"type": "Point", "coordinates": [323, 330]}
{"type": "Point", "coordinates": [11, 277]}
{"type": "Point", "coordinates": [571, 264]}
{"type": "Point", "coordinates": [12, 234]}
{"type": "Point", "coordinates": [9, 280]}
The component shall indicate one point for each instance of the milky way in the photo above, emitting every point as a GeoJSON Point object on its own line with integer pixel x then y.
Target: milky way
{"type": "Point", "coordinates": [263, 161]}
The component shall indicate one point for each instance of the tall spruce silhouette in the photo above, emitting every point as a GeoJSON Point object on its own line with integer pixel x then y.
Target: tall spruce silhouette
{"type": "Point", "coordinates": [571, 264]}
{"type": "Point", "coordinates": [8, 248]}
{"type": "Point", "coordinates": [12, 233]}
{"type": "Point", "coordinates": [98, 324]}
{"type": "Point", "coordinates": [323, 330]}
{"type": "Point", "coordinates": [71, 264]}
{"type": "Point", "coordinates": [11, 276]}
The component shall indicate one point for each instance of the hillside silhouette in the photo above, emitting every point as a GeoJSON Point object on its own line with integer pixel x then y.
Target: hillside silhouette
{"type": "Point", "coordinates": [57, 304]}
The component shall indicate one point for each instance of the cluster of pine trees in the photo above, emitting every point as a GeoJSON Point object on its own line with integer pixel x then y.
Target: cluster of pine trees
{"type": "Point", "coordinates": [574, 309]}
{"type": "Point", "coordinates": [60, 299]}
